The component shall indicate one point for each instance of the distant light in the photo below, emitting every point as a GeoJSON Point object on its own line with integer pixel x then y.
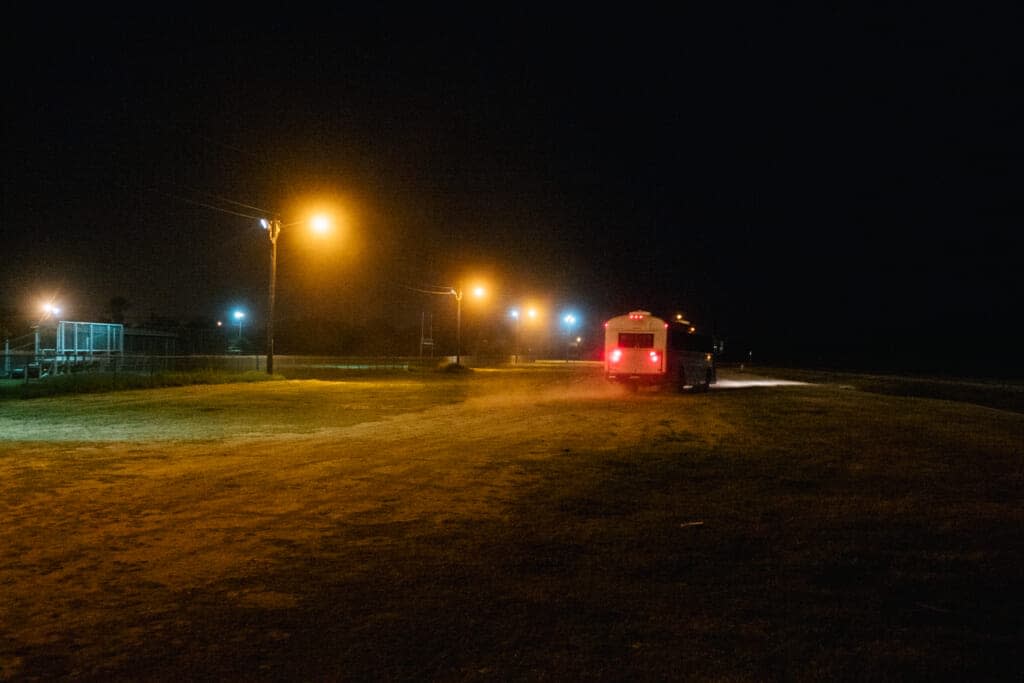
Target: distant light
{"type": "Point", "coordinates": [265, 223]}
{"type": "Point", "coordinates": [239, 315]}
{"type": "Point", "coordinates": [579, 339]}
{"type": "Point", "coordinates": [532, 313]}
{"type": "Point", "coordinates": [478, 292]}
{"type": "Point", "coordinates": [219, 323]}
{"type": "Point", "coordinates": [569, 319]}
{"type": "Point", "coordinates": [692, 329]}
{"type": "Point", "coordinates": [514, 314]}
{"type": "Point", "coordinates": [742, 384]}
{"type": "Point", "coordinates": [321, 224]}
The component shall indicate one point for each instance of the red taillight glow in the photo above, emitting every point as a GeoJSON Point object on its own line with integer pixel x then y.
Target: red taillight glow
{"type": "Point", "coordinates": [616, 355]}
{"type": "Point", "coordinates": [655, 357]}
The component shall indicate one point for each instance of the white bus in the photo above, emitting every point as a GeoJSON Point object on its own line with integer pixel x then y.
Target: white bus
{"type": "Point", "coordinates": [642, 349]}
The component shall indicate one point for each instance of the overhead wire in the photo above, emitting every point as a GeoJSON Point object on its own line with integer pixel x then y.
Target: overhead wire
{"type": "Point", "coordinates": [208, 206]}
{"type": "Point", "coordinates": [432, 290]}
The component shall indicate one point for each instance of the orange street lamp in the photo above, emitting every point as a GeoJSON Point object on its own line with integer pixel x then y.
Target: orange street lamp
{"type": "Point", "coordinates": [478, 292]}
{"type": "Point", "coordinates": [273, 227]}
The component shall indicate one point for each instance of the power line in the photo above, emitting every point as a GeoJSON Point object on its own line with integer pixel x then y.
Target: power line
{"type": "Point", "coordinates": [262, 211]}
{"type": "Point", "coordinates": [432, 290]}
{"type": "Point", "coordinates": [207, 206]}
{"type": "Point", "coordinates": [219, 198]}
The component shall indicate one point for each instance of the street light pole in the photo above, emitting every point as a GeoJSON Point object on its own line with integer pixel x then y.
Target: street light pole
{"type": "Point", "coordinates": [320, 223]}
{"type": "Point", "coordinates": [570, 320]}
{"type": "Point", "coordinates": [238, 316]}
{"type": "Point", "coordinates": [515, 350]}
{"type": "Point", "coordinates": [273, 228]}
{"type": "Point", "coordinates": [458, 325]}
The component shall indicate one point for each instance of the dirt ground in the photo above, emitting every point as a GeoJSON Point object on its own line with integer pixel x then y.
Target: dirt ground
{"type": "Point", "coordinates": [508, 525]}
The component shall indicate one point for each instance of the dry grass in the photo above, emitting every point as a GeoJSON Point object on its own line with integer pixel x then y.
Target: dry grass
{"type": "Point", "coordinates": [509, 525]}
{"type": "Point", "coordinates": [996, 393]}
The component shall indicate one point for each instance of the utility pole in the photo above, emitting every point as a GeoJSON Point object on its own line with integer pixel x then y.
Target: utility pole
{"type": "Point", "coordinates": [273, 228]}
{"type": "Point", "coordinates": [458, 325]}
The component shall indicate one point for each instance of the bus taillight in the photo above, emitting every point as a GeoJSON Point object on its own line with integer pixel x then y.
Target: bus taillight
{"type": "Point", "coordinates": [616, 355]}
{"type": "Point", "coordinates": [655, 357]}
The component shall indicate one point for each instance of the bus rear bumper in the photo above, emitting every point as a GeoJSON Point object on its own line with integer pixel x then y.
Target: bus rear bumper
{"type": "Point", "coordinates": [635, 379]}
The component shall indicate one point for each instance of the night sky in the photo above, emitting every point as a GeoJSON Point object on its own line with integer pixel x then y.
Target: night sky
{"type": "Point", "coordinates": [835, 187]}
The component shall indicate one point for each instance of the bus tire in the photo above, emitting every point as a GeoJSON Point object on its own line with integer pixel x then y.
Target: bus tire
{"type": "Point", "coordinates": [681, 381]}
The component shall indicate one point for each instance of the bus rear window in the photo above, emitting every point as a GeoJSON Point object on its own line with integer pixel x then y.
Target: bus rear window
{"type": "Point", "coordinates": [636, 340]}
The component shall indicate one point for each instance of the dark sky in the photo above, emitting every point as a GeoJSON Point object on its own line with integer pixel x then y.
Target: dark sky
{"type": "Point", "coordinates": [830, 183]}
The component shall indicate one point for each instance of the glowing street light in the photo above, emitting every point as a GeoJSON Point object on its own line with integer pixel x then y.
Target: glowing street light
{"type": "Point", "coordinates": [514, 314]}
{"type": "Point", "coordinates": [239, 315]}
{"type": "Point", "coordinates": [50, 310]}
{"type": "Point", "coordinates": [528, 316]}
{"type": "Point", "coordinates": [273, 227]}
{"type": "Point", "coordinates": [479, 292]}
{"type": "Point", "coordinates": [320, 224]}
{"type": "Point", "coordinates": [570, 321]}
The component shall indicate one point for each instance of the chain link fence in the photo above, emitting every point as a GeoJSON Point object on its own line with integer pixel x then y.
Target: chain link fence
{"type": "Point", "coordinates": [27, 365]}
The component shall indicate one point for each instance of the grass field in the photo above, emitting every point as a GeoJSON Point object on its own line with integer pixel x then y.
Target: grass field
{"type": "Point", "coordinates": [510, 525]}
{"type": "Point", "coordinates": [981, 391]}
